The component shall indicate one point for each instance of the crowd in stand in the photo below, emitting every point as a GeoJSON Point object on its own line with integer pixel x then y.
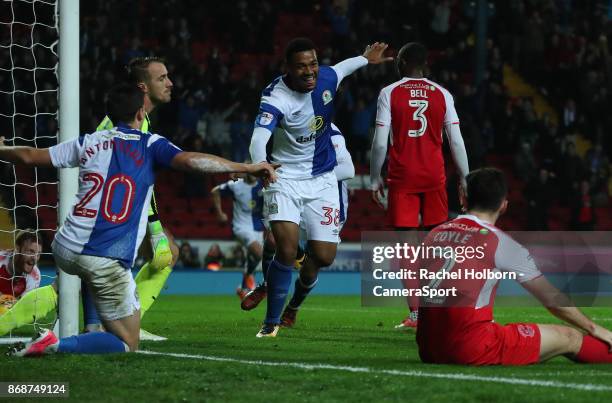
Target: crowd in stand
{"type": "Point", "coordinates": [215, 258]}
{"type": "Point", "coordinates": [561, 47]}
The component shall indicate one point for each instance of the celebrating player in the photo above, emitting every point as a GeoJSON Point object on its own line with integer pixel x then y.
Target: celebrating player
{"type": "Point", "coordinates": [151, 76]}
{"type": "Point", "coordinates": [247, 222]}
{"type": "Point", "coordinates": [23, 298]}
{"type": "Point", "coordinates": [463, 331]}
{"type": "Point", "coordinates": [344, 170]}
{"type": "Point", "coordinates": [301, 104]}
{"type": "Point", "coordinates": [415, 111]}
{"type": "Point", "coordinates": [101, 234]}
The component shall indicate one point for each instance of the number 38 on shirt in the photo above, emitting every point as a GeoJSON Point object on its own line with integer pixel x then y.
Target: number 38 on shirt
{"type": "Point", "coordinates": [332, 216]}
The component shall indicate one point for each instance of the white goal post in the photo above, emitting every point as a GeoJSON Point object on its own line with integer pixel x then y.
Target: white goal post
{"type": "Point", "coordinates": [69, 286]}
{"type": "Point", "coordinates": [39, 83]}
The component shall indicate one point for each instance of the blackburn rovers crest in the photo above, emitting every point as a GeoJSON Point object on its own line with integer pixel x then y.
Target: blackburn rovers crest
{"type": "Point", "coordinates": [327, 97]}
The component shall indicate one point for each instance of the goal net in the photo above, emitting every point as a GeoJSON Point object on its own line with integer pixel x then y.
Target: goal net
{"type": "Point", "coordinates": [29, 86]}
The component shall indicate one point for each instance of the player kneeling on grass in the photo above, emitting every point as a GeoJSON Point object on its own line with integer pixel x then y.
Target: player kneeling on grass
{"type": "Point", "coordinates": [461, 329]}
{"type": "Point", "coordinates": [22, 298]}
{"type": "Point", "coordinates": [102, 232]}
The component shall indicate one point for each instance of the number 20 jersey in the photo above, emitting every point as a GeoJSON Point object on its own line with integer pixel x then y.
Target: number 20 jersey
{"type": "Point", "coordinates": [116, 177]}
{"type": "Point", "coordinates": [417, 111]}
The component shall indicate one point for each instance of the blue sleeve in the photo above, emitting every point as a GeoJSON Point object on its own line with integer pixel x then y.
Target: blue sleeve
{"type": "Point", "coordinates": [163, 151]}
{"type": "Point", "coordinates": [268, 117]}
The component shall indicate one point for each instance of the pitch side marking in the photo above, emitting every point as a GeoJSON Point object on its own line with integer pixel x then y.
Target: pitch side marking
{"type": "Point", "coordinates": [377, 310]}
{"type": "Point", "coordinates": [418, 374]}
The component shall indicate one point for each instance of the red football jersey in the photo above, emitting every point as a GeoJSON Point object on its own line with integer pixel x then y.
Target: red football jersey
{"type": "Point", "coordinates": [417, 111]}
{"type": "Point", "coordinates": [16, 285]}
{"type": "Point", "coordinates": [445, 322]}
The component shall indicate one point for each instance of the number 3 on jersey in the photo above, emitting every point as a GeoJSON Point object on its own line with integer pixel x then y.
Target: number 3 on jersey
{"type": "Point", "coordinates": [129, 189]}
{"type": "Point", "coordinates": [419, 114]}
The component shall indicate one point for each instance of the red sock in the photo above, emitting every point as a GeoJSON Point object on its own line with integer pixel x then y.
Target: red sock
{"type": "Point", "coordinates": [593, 351]}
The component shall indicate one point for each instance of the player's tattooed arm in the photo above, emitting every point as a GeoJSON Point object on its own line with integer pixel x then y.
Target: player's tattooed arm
{"type": "Point", "coordinates": [25, 155]}
{"type": "Point", "coordinates": [207, 163]}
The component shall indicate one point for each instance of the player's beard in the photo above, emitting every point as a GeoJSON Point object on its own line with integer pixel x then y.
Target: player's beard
{"type": "Point", "coordinates": [163, 98]}
{"type": "Point", "coordinates": [24, 264]}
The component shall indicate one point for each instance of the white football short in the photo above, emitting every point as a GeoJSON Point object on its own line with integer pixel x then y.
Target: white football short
{"type": "Point", "coordinates": [112, 286]}
{"type": "Point", "coordinates": [247, 236]}
{"type": "Point", "coordinates": [313, 202]}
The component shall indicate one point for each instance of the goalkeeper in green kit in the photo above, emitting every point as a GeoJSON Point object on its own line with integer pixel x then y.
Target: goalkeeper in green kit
{"type": "Point", "coordinates": [150, 75]}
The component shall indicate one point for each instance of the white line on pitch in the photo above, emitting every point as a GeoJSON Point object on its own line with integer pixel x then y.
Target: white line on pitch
{"type": "Point", "coordinates": [417, 374]}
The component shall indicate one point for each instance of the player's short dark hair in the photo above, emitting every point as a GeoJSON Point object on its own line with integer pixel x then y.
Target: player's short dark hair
{"type": "Point", "coordinates": [123, 101]}
{"type": "Point", "coordinates": [411, 55]}
{"type": "Point", "coordinates": [298, 45]}
{"type": "Point", "coordinates": [486, 189]}
{"type": "Point", "coordinates": [137, 68]}
{"type": "Point", "coordinates": [25, 235]}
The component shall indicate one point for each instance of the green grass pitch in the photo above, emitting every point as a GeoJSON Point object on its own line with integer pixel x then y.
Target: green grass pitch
{"type": "Point", "coordinates": [338, 351]}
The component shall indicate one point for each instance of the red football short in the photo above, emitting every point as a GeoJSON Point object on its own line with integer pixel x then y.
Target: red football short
{"type": "Point", "coordinates": [494, 344]}
{"type": "Point", "coordinates": [405, 208]}
{"type": "Point", "coordinates": [521, 344]}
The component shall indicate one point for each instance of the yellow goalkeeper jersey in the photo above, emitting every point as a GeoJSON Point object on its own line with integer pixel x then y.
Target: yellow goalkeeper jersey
{"type": "Point", "coordinates": [107, 124]}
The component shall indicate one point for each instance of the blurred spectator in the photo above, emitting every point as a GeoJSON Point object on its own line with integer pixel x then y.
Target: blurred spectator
{"type": "Point", "coordinates": [569, 113]}
{"type": "Point", "coordinates": [218, 138]}
{"type": "Point", "coordinates": [189, 113]}
{"type": "Point", "coordinates": [134, 50]}
{"type": "Point", "coordinates": [524, 162]}
{"type": "Point", "coordinates": [361, 124]}
{"type": "Point", "coordinates": [195, 185]}
{"type": "Point", "coordinates": [236, 258]}
{"type": "Point", "coordinates": [214, 258]}
{"type": "Point", "coordinates": [338, 15]}
{"type": "Point", "coordinates": [187, 256]}
{"type": "Point", "coordinates": [596, 160]}
{"type": "Point", "coordinates": [583, 213]}
{"type": "Point", "coordinates": [241, 130]}
{"type": "Point", "coordinates": [560, 48]}
{"type": "Point", "coordinates": [440, 23]}
{"type": "Point", "coordinates": [539, 194]}
{"type": "Point", "coordinates": [571, 170]}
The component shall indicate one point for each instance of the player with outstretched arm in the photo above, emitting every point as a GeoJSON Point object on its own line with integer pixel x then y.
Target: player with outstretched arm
{"type": "Point", "coordinates": [151, 76]}
{"type": "Point", "coordinates": [102, 233]}
{"type": "Point", "coordinates": [344, 171]}
{"type": "Point", "coordinates": [301, 104]}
